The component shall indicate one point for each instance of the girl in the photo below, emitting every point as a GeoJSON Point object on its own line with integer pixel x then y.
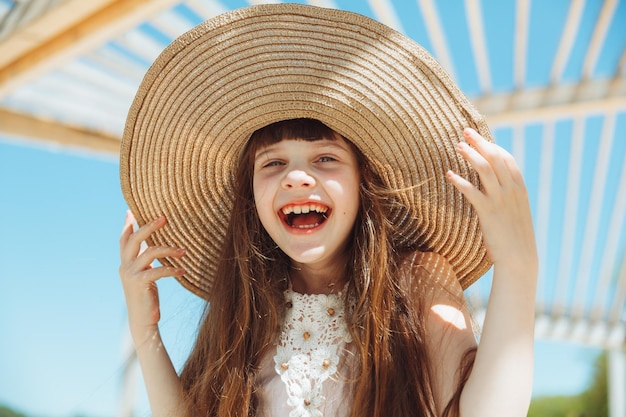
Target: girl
{"type": "Point", "coordinates": [316, 246]}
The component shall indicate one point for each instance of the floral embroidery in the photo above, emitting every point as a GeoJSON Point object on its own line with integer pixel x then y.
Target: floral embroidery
{"type": "Point", "coordinates": [308, 351]}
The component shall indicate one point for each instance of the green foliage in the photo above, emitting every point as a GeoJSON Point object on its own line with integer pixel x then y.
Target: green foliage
{"type": "Point", "coordinates": [593, 402]}
{"type": "Point", "coordinates": [595, 398]}
{"type": "Point", "coordinates": [556, 407]}
{"type": "Point", "coordinates": [7, 412]}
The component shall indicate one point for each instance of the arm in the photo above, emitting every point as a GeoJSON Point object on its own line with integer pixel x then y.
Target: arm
{"type": "Point", "coordinates": [142, 300]}
{"type": "Point", "coordinates": [500, 383]}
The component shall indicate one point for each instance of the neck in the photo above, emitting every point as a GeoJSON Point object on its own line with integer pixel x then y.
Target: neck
{"type": "Point", "coordinates": [308, 279]}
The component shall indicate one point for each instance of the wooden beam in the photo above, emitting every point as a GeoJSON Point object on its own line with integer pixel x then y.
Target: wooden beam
{"type": "Point", "coordinates": [50, 48]}
{"type": "Point", "coordinates": [48, 25]}
{"type": "Point", "coordinates": [554, 102]}
{"type": "Point", "coordinates": [583, 331]}
{"type": "Point", "coordinates": [25, 126]}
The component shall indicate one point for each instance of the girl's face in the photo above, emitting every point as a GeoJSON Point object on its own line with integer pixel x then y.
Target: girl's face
{"type": "Point", "coordinates": [307, 197]}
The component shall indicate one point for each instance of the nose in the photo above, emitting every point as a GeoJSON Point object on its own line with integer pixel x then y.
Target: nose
{"type": "Point", "coordinates": [297, 178]}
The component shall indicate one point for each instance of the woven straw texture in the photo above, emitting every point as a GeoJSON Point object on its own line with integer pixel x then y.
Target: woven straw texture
{"type": "Point", "coordinates": [213, 86]}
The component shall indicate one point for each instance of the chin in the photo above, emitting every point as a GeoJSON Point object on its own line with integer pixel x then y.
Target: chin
{"type": "Point", "coordinates": [307, 256]}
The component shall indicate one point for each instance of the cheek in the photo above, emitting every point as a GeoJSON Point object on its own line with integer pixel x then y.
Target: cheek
{"type": "Point", "coordinates": [262, 203]}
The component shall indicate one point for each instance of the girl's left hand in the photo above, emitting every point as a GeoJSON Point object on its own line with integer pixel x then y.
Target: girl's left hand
{"type": "Point", "coordinates": [501, 203]}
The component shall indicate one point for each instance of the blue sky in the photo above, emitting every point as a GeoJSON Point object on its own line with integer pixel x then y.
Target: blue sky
{"type": "Point", "coordinates": [62, 313]}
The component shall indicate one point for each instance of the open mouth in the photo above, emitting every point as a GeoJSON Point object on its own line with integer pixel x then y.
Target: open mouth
{"type": "Point", "coordinates": [304, 216]}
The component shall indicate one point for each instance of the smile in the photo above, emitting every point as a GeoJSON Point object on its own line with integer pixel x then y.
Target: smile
{"type": "Point", "coordinates": [304, 216]}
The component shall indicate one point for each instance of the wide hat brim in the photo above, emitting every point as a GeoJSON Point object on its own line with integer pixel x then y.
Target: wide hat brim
{"type": "Point", "coordinates": [212, 87]}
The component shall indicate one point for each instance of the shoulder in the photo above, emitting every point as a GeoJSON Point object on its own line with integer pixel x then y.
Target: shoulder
{"type": "Point", "coordinates": [431, 275]}
{"type": "Point", "coordinates": [448, 323]}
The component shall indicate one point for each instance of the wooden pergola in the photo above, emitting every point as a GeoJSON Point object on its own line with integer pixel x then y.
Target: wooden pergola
{"type": "Point", "coordinates": [69, 70]}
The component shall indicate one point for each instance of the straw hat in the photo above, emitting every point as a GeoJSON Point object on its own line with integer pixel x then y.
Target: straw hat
{"type": "Point", "coordinates": [212, 87]}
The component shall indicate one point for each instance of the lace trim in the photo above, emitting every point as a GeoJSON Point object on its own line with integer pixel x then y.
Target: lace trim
{"type": "Point", "coordinates": [308, 351]}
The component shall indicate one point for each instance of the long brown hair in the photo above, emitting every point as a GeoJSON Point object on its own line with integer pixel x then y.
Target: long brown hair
{"type": "Point", "coordinates": [243, 318]}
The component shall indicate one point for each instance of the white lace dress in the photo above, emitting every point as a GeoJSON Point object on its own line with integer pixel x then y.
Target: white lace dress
{"type": "Point", "coordinates": [305, 375]}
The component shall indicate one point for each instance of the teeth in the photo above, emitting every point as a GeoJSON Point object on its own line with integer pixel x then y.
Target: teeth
{"type": "Point", "coordinates": [304, 209]}
{"type": "Point", "coordinates": [306, 226]}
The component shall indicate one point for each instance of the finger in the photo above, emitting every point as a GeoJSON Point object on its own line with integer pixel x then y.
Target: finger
{"type": "Point", "coordinates": [473, 194]}
{"type": "Point", "coordinates": [493, 154]}
{"type": "Point", "coordinates": [485, 170]}
{"type": "Point", "coordinates": [154, 274]}
{"type": "Point", "coordinates": [127, 230]}
{"type": "Point", "coordinates": [132, 245]}
{"type": "Point", "coordinates": [148, 256]}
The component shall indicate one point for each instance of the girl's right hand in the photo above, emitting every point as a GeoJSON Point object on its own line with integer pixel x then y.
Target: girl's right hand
{"type": "Point", "coordinates": [139, 277]}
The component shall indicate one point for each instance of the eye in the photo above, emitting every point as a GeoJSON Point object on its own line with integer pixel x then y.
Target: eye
{"type": "Point", "coordinates": [271, 164]}
{"type": "Point", "coordinates": [326, 159]}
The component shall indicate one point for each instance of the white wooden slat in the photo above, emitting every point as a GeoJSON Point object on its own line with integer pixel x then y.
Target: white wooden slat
{"type": "Point", "coordinates": [68, 88]}
{"type": "Point", "coordinates": [68, 112]}
{"type": "Point", "coordinates": [5, 7]}
{"type": "Point", "coordinates": [172, 24]}
{"type": "Point", "coordinates": [616, 369]}
{"type": "Point", "coordinates": [24, 12]}
{"type": "Point", "coordinates": [621, 67]}
{"type": "Point", "coordinates": [617, 312]}
{"type": "Point", "coordinates": [570, 216]}
{"type": "Point", "coordinates": [560, 328]}
{"type": "Point", "coordinates": [479, 44]}
{"type": "Point", "coordinates": [567, 40]}
{"type": "Point", "coordinates": [437, 36]}
{"type": "Point", "coordinates": [610, 256]}
{"type": "Point", "coordinates": [73, 112]}
{"type": "Point", "coordinates": [599, 35]}
{"type": "Point", "coordinates": [592, 222]}
{"type": "Point", "coordinates": [385, 13]}
{"type": "Point", "coordinates": [129, 380]}
{"type": "Point", "coordinates": [11, 21]}
{"type": "Point", "coordinates": [100, 79]}
{"type": "Point", "coordinates": [543, 324]}
{"type": "Point", "coordinates": [207, 8]}
{"type": "Point", "coordinates": [61, 92]}
{"type": "Point", "coordinates": [580, 330]}
{"type": "Point", "coordinates": [254, 2]}
{"type": "Point", "coordinates": [616, 336]}
{"type": "Point", "coordinates": [542, 215]}
{"type": "Point", "coordinates": [141, 44]}
{"type": "Point", "coordinates": [598, 334]}
{"type": "Point", "coordinates": [329, 4]}
{"type": "Point", "coordinates": [34, 9]}
{"type": "Point", "coordinates": [521, 43]}
{"type": "Point", "coordinates": [120, 69]}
